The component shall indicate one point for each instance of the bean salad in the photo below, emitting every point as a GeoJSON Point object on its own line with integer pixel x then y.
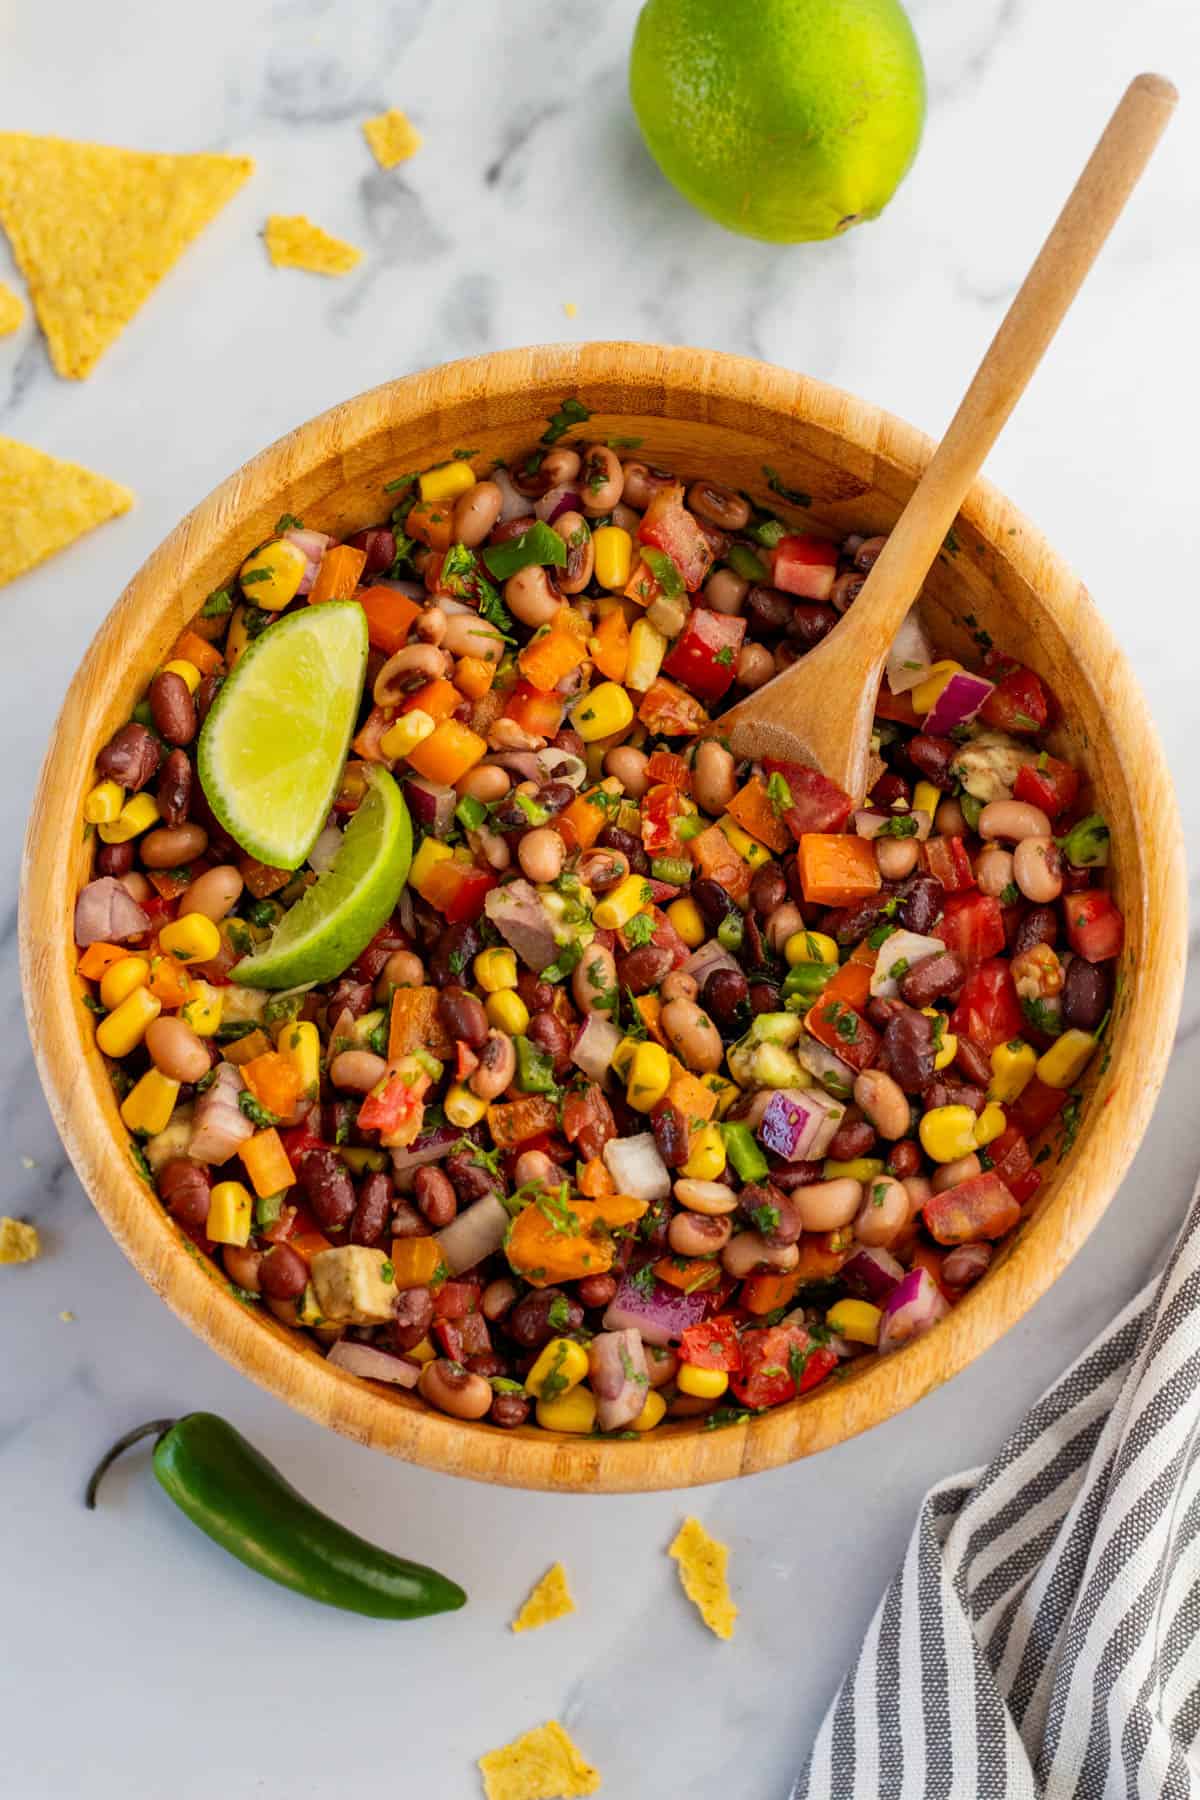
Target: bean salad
{"type": "Point", "coordinates": [672, 1083]}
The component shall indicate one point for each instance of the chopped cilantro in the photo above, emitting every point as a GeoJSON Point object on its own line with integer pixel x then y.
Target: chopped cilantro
{"type": "Point", "coordinates": [253, 575]}
{"type": "Point", "coordinates": [644, 1280]}
{"type": "Point", "coordinates": [137, 1157]}
{"type": "Point", "coordinates": [255, 1111]}
{"type": "Point", "coordinates": [794, 496]}
{"type": "Point", "coordinates": [1043, 1018]}
{"type": "Point", "coordinates": [219, 602]}
{"type": "Point", "coordinates": [765, 1217]}
{"type": "Point", "coordinates": [288, 522]}
{"type": "Point", "coordinates": [1009, 894]}
{"type": "Point", "coordinates": [463, 455]}
{"type": "Point", "coordinates": [664, 572]}
{"type": "Point", "coordinates": [387, 1270]}
{"type": "Point", "coordinates": [624, 443]}
{"type": "Point", "coordinates": [779, 794]}
{"type": "Point", "coordinates": [555, 1206]}
{"type": "Point", "coordinates": [1072, 1114]}
{"type": "Point", "coordinates": [457, 961]}
{"type": "Point", "coordinates": [902, 825]}
{"type": "Point", "coordinates": [724, 656]}
{"type": "Point", "coordinates": [570, 412]}
{"type": "Point", "coordinates": [401, 482]}
{"type": "Point", "coordinates": [558, 1313]}
{"type": "Point", "coordinates": [568, 958]}
{"type": "Point", "coordinates": [639, 930]}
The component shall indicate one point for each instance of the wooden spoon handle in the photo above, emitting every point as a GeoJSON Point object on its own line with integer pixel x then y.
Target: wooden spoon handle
{"type": "Point", "coordinates": [1078, 234]}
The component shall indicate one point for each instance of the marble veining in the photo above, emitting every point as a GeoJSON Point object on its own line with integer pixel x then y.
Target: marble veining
{"type": "Point", "coordinates": [138, 1660]}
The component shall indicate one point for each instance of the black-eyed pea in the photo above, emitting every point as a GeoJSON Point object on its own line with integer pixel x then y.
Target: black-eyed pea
{"type": "Point", "coordinates": [696, 1234]}
{"type": "Point", "coordinates": [475, 513]}
{"type": "Point", "coordinates": [455, 1390]}
{"type": "Point", "coordinates": [1038, 869]}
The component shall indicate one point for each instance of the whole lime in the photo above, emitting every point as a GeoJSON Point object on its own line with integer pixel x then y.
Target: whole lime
{"type": "Point", "coordinates": [782, 119]}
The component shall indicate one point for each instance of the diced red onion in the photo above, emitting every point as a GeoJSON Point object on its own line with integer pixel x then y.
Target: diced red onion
{"type": "Point", "coordinates": [427, 1147]}
{"type": "Point", "coordinates": [313, 544]}
{"type": "Point", "coordinates": [869, 823]}
{"type": "Point", "coordinates": [662, 890]}
{"type": "Point", "coordinates": [659, 1317]}
{"type": "Point", "coordinates": [957, 704]}
{"type": "Point", "coordinates": [107, 913]}
{"type": "Point", "coordinates": [512, 504]}
{"type": "Point", "coordinates": [833, 1074]}
{"type": "Point", "coordinates": [799, 1123]}
{"type": "Point", "coordinates": [476, 1233]}
{"type": "Point", "coordinates": [219, 1125]}
{"type": "Point", "coordinates": [965, 1264]}
{"type": "Point", "coordinates": [324, 851]}
{"type": "Point", "coordinates": [910, 656]}
{"type": "Point", "coordinates": [910, 947]}
{"type": "Point", "coordinates": [593, 1049]}
{"type": "Point", "coordinates": [872, 1274]}
{"type": "Point", "coordinates": [375, 1365]}
{"type": "Point", "coordinates": [913, 1307]}
{"type": "Point", "coordinates": [556, 502]}
{"type": "Point", "coordinates": [709, 957]}
{"type": "Point", "coordinates": [431, 804]}
{"type": "Point", "coordinates": [619, 1378]}
{"type": "Point", "coordinates": [637, 1168]}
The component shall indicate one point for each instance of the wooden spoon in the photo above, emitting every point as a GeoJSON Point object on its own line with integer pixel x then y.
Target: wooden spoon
{"type": "Point", "coordinates": [820, 711]}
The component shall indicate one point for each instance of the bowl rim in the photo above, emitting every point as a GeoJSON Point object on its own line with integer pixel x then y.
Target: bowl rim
{"type": "Point", "coordinates": [72, 1071]}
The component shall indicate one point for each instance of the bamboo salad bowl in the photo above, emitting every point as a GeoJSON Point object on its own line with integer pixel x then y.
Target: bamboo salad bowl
{"type": "Point", "coordinates": [700, 413]}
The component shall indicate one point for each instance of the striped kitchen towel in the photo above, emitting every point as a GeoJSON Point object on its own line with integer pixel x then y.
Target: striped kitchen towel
{"type": "Point", "coordinates": [1040, 1640]}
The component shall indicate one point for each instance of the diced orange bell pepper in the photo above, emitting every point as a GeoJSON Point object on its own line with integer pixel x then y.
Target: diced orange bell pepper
{"type": "Point", "coordinates": [168, 884]}
{"type": "Point", "coordinates": [666, 767]}
{"type": "Point", "coordinates": [511, 1125]}
{"type": "Point", "coordinates": [562, 1240]}
{"type": "Point", "coordinates": [818, 1259]}
{"type": "Point", "coordinates": [689, 1094]}
{"type": "Point", "coordinates": [587, 814]}
{"type": "Point", "coordinates": [189, 646]}
{"type": "Point", "coordinates": [390, 617]}
{"type": "Point", "coordinates": [852, 983]}
{"type": "Point", "coordinates": [610, 645]}
{"type": "Point", "coordinates": [693, 1274]}
{"type": "Point", "coordinates": [266, 1163]}
{"type": "Point", "coordinates": [753, 811]}
{"type": "Point", "coordinates": [595, 1180]}
{"type": "Point", "coordinates": [368, 743]}
{"type": "Point", "coordinates": [473, 676]}
{"type": "Point", "coordinates": [447, 754]}
{"type": "Point", "coordinates": [836, 870]}
{"type": "Point", "coordinates": [338, 574]}
{"type": "Point", "coordinates": [670, 709]}
{"type": "Point", "coordinates": [99, 957]}
{"type": "Point", "coordinates": [546, 660]}
{"type": "Point", "coordinates": [275, 1084]}
{"type": "Point", "coordinates": [261, 878]}
{"type": "Point", "coordinates": [416, 1023]}
{"type": "Point", "coordinates": [649, 1007]}
{"type": "Point", "coordinates": [169, 982]}
{"type": "Point", "coordinates": [244, 1049]}
{"type": "Point", "coordinates": [415, 1261]}
{"type": "Point", "coordinates": [864, 952]}
{"type": "Point", "coordinates": [618, 1210]}
{"type": "Point", "coordinates": [716, 858]}
{"type": "Point", "coordinates": [438, 698]}
{"type": "Point", "coordinates": [764, 1292]}
{"type": "Point", "coordinates": [539, 714]}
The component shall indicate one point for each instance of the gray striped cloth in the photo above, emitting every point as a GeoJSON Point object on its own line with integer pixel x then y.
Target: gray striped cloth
{"type": "Point", "coordinates": [1039, 1641]}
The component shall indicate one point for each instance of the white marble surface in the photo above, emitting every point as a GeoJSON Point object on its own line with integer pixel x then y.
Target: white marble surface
{"type": "Point", "coordinates": [137, 1660]}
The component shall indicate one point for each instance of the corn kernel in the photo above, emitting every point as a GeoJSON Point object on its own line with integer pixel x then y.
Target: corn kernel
{"type": "Point", "coordinates": [574, 1411]}
{"type": "Point", "coordinates": [448, 480]}
{"type": "Point", "coordinates": [104, 802]}
{"type": "Point", "coordinates": [192, 938]}
{"type": "Point", "coordinates": [948, 1132]}
{"type": "Point", "coordinates": [186, 671]}
{"type": "Point", "coordinates": [809, 947]}
{"type": "Point", "coordinates": [748, 848]}
{"type": "Point", "coordinates": [652, 1413]}
{"type": "Point", "coordinates": [148, 1106]}
{"type": "Point", "coordinates": [623, 1056]}
{"type": "Point", "coordinates": [856, 1168]}
{"type": "Point", "coordinates": [703, 1384]}
{"type": "Point", "coordinates": [616, 909]}
{"type": "Point", "coordinates": [429, 854]}
{"type": "Point", "coordinates": [926, 798]}
{"type": "Point", "coordinates": [648, 1076]}
{"type": "Point", "coordinates": [603, 711]}
{"type": "Point", "coordinates": [410, 729]}
{"type": "Point", "coordinates": [561, 1366]}
{"type": "Point", "coordinates": [308, 1311]}
{"type": "Point", "coordinates": [647, 647]}
{"type": "Point", "coordinates": [726, 1092]}
{"type": "Point", "coordinates": [496, 970]}
{"type": "Point", "coordinates": [949, 1045]}
{"type": "Point", "coordinates": [507, 1012]}
{"type": "Point", "coordinates": [119, 981]}
{"type": "Point", "coordinates": [989, 1125]}
{"type": "Point", "coordinates": [686, 917]}
{"type": "Point", "coordinates": [230, 1211]}
{"type": "Point", "coordinates": [706, 1155]}
{"type": "Point", "coordinates": [1066, 1059]}
{"type": "Point", "coordinates": [1013, 1065]}
{"type": "Point", "coordinates": [204, 1008]}
{"type": "Point", "coordinates": [299, 1042]}
{"type": "Point", "coordinates": [462, 1107]}
{"type": "Point", "coordinates": [137, 815]}
{"type": "Point", "coordinates": [124, 1028]}
{"type": "Point", "coordinates": [237, 637]}
{"type": "Point", "coordinates": [271, 576]}
{"type": "Point", "coordinates": [857, 1320]}
{"type": "Point", "coordinates": [614, 556]}
{"type": "Point", "coordinates": [925, 695]}
{"type": "Point", "coordinates": [423, 1352]}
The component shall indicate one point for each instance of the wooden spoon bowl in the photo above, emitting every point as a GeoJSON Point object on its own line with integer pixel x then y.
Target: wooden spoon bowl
{"type": "Point", "coordinates": [701, 414]}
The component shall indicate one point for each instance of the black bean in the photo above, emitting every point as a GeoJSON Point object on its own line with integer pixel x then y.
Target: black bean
{"type": "Point", "coordinates": [328, 1187]}
{"type": "Point", "coordinates": [1084, 995]}
{"type": "Point", "coordinates": [767, 610]}
{"type": "Point", "coordinates": [764, 997]}
{"type": "Point", "coordinates": [809, 623]}
{"type": "Point", "coordinates": [768, 889]}
{"type": "Point", "coordinates": [1039, 926]}
{"type": "Point", "coordinates": [713, 901]}
{"type": "Point", "coordinates": [373, 1210]}
{"type": "Point", "coordinates": [453, 953]}
{"type": "Point", "coordinates": [130, 757]}
{"type": "Point", "coordinates": [723, 997]}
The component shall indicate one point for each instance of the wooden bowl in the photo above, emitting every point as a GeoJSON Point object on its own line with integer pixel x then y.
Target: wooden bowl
{"type": "Point", "coordinates": [700, 413]}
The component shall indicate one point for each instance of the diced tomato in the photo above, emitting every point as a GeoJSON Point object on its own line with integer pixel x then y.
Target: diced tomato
{"type": "Point", "coordinates": [704, 655]}
{"type": "Point", "coordinates": [805, 565]}
{"type": "Point", "coordinates": [662, 808]}
{"type": "Point", "coordinates": [1095, 927]}
{"type": "Point", "coordinates": [988, 1010]}
{"type": "Point", "coordinates": [896, 707]}
{"type": "Point", "coordinates": [539, 714]}
{"type": "Point", "coordinates": [716, 858]}
{"type": "Point", "coordinates": [665, 766]}
{"type": "Point", "coordinates": [455, 1299]}
{"type": "Point", "coordinates": [1010, 1158]}
{"type": "Point", "coordinates": [947, 861]}
{"type": "Point", "coordinates": [817, 804]}
{"type": "Point", "coordinates": [779, 1362]}
{"type": "Point", "coordinates": [1016, 703]}
{"type": "Point", "coordinates": [1034, 1108]}
{"type": "Point", "coordinates": [670, 710]}
{"type": "Point", "coordinates": [712, 1345]}
{"type": "Point", "coordinates": [841, 1029]}
{"type": "Point", "coordinates": [974, 1210]}
{"type": "Point", "coordinates": [972, 925]}
{"type": "Point", "coordinates": [389, 1105]}
{"type": "Point", "coordinates": [299, 1139]}
{"type": "Point", "coordinates": [1049, 783]}
{"type": "Point", "coordinates": [669, 527]}
{"type": "Point", "coordinates": [587, 1121]}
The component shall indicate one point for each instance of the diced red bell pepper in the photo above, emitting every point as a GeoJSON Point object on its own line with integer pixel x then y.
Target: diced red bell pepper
{"type": "Point", "coordinates": [539, 714]}
{"type": "Point", "coordinates": [662, 808]}
{"type": "Point", "coordinates": [805, 565]}
{"type": "Point", "coordinates": [1017, 702]}
{"type": "Point", "coordinates": [298, 1139]}
{"type": "Point", "coordinates": [704, 655]}
{"type": "Point", "coordinates": [1095, 927]}
{"type": "Point", "coordinates": [458, 890]}
{"type": "Point", "coordinates": [1034, 1108]}
{"type": "Point", "coordinates": [665, 766]}
{"type": "Point", "coordinates": [1010, 1158]}
{"type": "Point", "coordinates": [670, 710]}
{"type": "Point", "coordinates": [817, 804]}
{"type": "Point", "coordinates": [947, 861]}
{"type": "Point", "coordinates": [668, 526]}
{"type": "Point", "coordinates": [712, 1344]}
{"type": "Point", "coordinates": [972, 925]}
{"type": "Point", "coordinates": [779, 1362]}
{"type": "Point", "coordinates": [989, 1009]}
{"type": "Point", "coordinates": [1049, 783]}
{"type": "Point", "coordinates": [974, 1210]}
{"type": "Point", "coordinates": [844, 1031]}
{"type": "Point", "coordinates": [389, 1105]}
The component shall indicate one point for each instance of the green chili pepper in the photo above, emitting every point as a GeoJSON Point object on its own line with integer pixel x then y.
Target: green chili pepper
{"type": "Point", "coordinates": [731, 931]}
{"type": "Point", "coordinates": [240, 1501]}
{"type": "Point", "coordinates": [741, 1147]}
{"type": "Point", "coordinates": [1086, 844]}
{"type": "Point", "coordinates": [675, 869]}
{"type": "Point", "coordinates": [470, 812]}
{"type": "Point", "coordinates": [768, 532]}
{"type": "Point", "coordinates": [540, 544]}
{"type": "Point", "coordinates": [808, 979]}
{"type": "Point", "coordinates": [689, 827]}
{"type": "Point", "coordinates": [535, 1070]}
{"type": "Point", "coordinates": [743, 562]}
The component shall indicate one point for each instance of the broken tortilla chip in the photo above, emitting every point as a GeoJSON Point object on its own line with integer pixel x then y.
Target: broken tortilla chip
{"type": "Point", "coordinates": [542, 1765]}
{"type": "Point", "coordinates": [392, 138]}
{"type": "Point", "coordinates": [12, 310]}
{"type": "Point", "coordinates": [702, 1570]}
{"type": "Point", "coordinates": [94, 229]}
{"type": "Point", "coordinates": [294, 242]}
{"type": "Point", "coordinates": [46, 504]}
{"type": "Point", "coordinates": [550, 1600]}
{"type": "Point", "coordinates": [19, 1242]}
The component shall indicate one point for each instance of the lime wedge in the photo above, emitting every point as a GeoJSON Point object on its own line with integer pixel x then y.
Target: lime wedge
{"type": "Point", "coordinates": [274, 743]}
{"type": "Point", "coordinates": [336, 918]}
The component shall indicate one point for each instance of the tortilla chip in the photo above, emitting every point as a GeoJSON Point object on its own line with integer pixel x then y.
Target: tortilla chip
{"type": "Point", "coordinates": [18, 1242]}
{"type": "Point", "coordinates": [550, 1600]}
{"type": "Point", "coordinates": [12, 310]}
{"type": "Point", "coordinates": [94, 229]}
{"type": "Point", "coordinates": [46, 504]}
{"type": "Point", "coordinates": [702, 1565]}
{"type": "Point", "coordinates": [542, 1765]}
{"type": "Point", "coordinates": [294, 242]}
{"type": "Point", "coordinates": [392, 138]}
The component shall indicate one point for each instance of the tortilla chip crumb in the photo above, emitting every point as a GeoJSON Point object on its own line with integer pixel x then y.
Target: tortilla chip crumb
{"type": "Point", "coordinates": [702, 1570]}
{"type": "Point", "coordinates": [393, 139]}
{"type": "Point", "coordinates": [570, 308]}
{"type": "Point", "coordinates": [12, 310]}
{"type": "Point", "coordinates": [68, 1317]}
{"type": "Point", "coordinates": [550, 1600]}
{"type": "Point", "coordinates": [294, 242]}
{"type": "Point", "coordinates": [542, 1765]}
{"type": "Point", "coordinates": [46, 504]}
{"type": "Point", "coordinates": [94, 229]}
{"type": "Point", "coordinates": [19, 1242]}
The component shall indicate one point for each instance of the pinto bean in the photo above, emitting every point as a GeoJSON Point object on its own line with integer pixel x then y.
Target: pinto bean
{"type": "Point", "coordinates": [627, 765]}
{"type": "Point", "coordinates": [435, 1196]}
{"type": "Point", "coordinates": [540, 853]}
{"type": "Point", "coordinates": [175, 1049]}
{"type": "Point", "coordinates": [357, 1071]}
{"type": "Point", "coordinates": [455, 1390]}
{"type": "Point", "coordinates": [827, 1205]}
{"type": "Point", "coordinates": [931, 977]}
{"type": "Point", "coordinates": [692, 1035]}
{"type": "Point", "coordinates": [882, 1101]}
{"type": "Point", "coordinates": [215, 893]}
{"type": "Point", "coordinates": [372, 1211]}
{"type": "Point", "coordinates": [327, 1187]}
{"type": "Point", "coordinates": [678, 985]}
{"type": "Point", "coordinates": [749, 1251]}
{"type": "Point", "coordinates": [174, 791]}
{"type": "Point", "coordinates": [130, 757]}
{"type": "Point", "coordinates": [713, 1198]}
{"type": "Point", "coordinates": [1013, 820]}
{"type": "Point", "coordinates": [283, 1272]}
{"type": "Point", "coordinates": [948, 1175]}
{"type": "Point", "coordinates": [497, 1066]}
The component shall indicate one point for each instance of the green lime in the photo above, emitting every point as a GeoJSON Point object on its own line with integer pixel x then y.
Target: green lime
{"type": "Point", "coordinates": [782, 119]}
{"type": "Point", "coordinates": [336, 918]}
{"type": "Point", "coordinates": [274, 744]}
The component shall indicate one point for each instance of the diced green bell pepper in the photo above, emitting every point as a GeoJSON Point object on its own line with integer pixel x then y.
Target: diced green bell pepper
{"type": "Point", "coordinates": [741, 1147]}
{"type": "Point", "coordinates": [540, 544]}
{"type": "Point", "coordinates": [535, 1070]}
